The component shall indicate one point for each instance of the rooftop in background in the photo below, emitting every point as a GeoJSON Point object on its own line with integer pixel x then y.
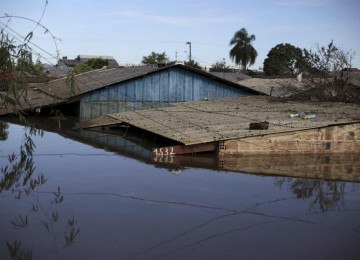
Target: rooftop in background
{"type": "Point", "coordinates": [231, 76]}
{"type": "Point", "coordinates": [224, 119]}
{"type": "Point", "coordinates": [81, 59]}
{"type": "Point", "coordinates": [278, 87]}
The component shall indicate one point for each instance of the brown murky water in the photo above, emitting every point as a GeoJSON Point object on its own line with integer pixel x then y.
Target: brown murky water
{"type": "Point", "coordinates": [110, 200]}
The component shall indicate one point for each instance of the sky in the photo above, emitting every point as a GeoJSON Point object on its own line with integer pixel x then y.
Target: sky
{"type": "Point", "coordinates": [131, 29]}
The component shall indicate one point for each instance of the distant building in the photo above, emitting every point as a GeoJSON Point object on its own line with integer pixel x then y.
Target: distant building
{"type": "Point", "coordinates": [81, 59]}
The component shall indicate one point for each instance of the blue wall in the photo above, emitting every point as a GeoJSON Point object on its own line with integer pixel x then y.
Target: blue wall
{"type": "Point", "coordinates": [155, 90]}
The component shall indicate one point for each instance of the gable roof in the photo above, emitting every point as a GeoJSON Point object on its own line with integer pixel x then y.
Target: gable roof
{"type": "Point", "coordinates": [97, 79]}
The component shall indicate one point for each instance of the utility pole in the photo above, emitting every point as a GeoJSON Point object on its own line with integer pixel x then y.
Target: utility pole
{"type": "Point", "coordinates": [189, 50]}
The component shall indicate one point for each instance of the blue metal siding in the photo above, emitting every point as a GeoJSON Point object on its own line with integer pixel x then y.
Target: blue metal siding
{"type": "Point", "coordinates": [155, 90]}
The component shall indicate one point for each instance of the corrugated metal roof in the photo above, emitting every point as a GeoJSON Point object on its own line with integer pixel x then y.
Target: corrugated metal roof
{"type": "Point", "coordinates": [34, 98]}
{"type": "Point", "coordinates": [231, 76]}
{"type": "Point", "coordinates": [96, 79]}
{"type": "Point", "coordinates": [93, 80]}
{"type": "Point", "coordinates": [207, 121]}
{"type": "Point", "coordinates": [279, 87]}
{"type": "Point", "coordinates": [95, 57]}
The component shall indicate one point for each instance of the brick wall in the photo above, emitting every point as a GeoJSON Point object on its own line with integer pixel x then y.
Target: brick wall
{"type": "Point", "coordinates": [332, 139]}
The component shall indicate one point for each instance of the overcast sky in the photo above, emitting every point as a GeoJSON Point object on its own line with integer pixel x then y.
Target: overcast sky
{"type": "Point", "coordinates": [130, 29]}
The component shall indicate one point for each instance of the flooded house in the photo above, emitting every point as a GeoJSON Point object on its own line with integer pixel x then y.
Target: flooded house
{"type": "Point", "coordinates": [100, 92]}
{"type": "Point", "coordinates": [308, 131]}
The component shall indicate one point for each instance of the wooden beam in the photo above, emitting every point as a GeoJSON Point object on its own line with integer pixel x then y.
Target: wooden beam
{"type": "Point", "coordinates": [185, 149]}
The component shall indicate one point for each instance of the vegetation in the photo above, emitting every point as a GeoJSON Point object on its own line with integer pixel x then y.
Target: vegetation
{"type": "Point", "coordinates": [327, 75]}
{"type": "Point", "coordinates": [155, 58]}
{"type": "Point", "coordinates": [91, 64]}
{"type": "Point", "coordinates": [242, 52]}
{"type": "Point", "coordinates": [18, 175]}
{"type": "Point", "coordinates": [329, 61]}
{"type": "Point", "coordinates": [15, 67]}
{"type": "Point", "coordinates": [220, 66]}
{"type": "Point", "coordinates": [284, 60]}
{"type": "Point", "coordinates": [193, 64]}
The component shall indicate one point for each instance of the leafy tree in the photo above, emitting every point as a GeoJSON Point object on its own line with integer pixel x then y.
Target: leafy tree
{"type": "Point", "coordinates": [242, 52]}
{"type": "Point", "coordinates": [193, 64]}
{"type": "Point", "coordinates": [39, 67]}
{"type": "Point", "coordinates": [97, 63]}
{"type": "Point", "coordinates": [91, 64]}
{"type": "Point", "coordinates": [284, 60]}
{"type": "Point", "coordinates": [220, 66]}
{"type": "Point", "coordinates": [155, 58]}
{"type": "Point", "coordinates": [6, 47]}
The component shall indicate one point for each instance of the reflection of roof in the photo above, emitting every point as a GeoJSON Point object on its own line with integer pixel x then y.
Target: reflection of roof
{"type": "Point", "coordinates": [207, 121]}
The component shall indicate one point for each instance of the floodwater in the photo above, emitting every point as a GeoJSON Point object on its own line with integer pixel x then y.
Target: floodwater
{"type": "Point", "coordinates": [96, 202]}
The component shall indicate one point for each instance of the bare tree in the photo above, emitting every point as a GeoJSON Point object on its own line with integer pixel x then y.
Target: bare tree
{"type": "Point", "coordinates": [329, 64]}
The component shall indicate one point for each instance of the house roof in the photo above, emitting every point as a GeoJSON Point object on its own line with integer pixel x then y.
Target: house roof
{"type": "Point", "coordinates": [97, 79]}
{"type": "Point", "coordinates": [92, 80]}
{"type": "Point", "coordinates": [95, 57]}
{"type": "Point", "coordinates": [223, 119]}
{"type": "Point", "coordinates": [279, 87]}
{"type": "Point", "coordinates": [231, 76]}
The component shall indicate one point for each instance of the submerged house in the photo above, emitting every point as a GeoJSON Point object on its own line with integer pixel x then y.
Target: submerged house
{"type": "Point", "coordinates": [106, 91]}
{"type": "Point", "coordinates": [225, 126]}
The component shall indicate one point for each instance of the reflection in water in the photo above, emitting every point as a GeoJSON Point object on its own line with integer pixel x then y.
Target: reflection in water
{"type": "Point", "coordinates": [3, 131]}
{"type": "Point", "coordinates": [325, 195]}
{"type": "Point", "coordinates": [132, 210]}
{"type": "Point", "coordinates": [19, 178]}
{"type": "Point", "coordinates": [344, 167]}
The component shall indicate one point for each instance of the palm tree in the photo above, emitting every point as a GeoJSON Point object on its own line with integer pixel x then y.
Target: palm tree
{"type": "Point", "coordinates": [243, 53]}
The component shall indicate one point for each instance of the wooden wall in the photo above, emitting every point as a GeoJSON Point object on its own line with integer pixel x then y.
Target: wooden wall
{"type": "Point", "coordinates": [153, 91]}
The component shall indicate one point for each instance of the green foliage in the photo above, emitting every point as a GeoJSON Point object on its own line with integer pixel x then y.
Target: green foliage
{"type": "Point", "coordinates": [81, 68]}
{"type": "Point", "coordinates": [24, 61]}
{"type": "Point", "coordinates": [220, 66]}
{"type": "Point", "coordinates": [91, 64]}
{"type": "Point", "coordinates": [284, 60]}
{"type": "Point", "coordinates": [97, 63]}
{"type": "Point", "coordinates": [193, 64]}
{"type": "Point", "coordinates": [39, 67]}
{"type": "Point", "coordinates": [6, 48]}
{"type": "Point", "coordinates": [242, 52]}
{"type": "Point", "coordinates": [155, 58]}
